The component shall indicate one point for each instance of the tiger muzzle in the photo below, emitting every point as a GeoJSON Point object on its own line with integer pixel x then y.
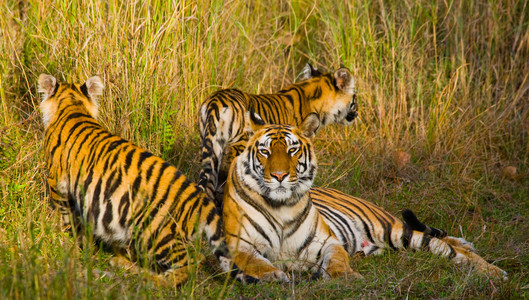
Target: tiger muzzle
{"type": "Point", "coordinates": [279, 176]}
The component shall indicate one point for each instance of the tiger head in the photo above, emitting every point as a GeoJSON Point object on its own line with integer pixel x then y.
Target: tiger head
{"type": "Point", "coordinates": [279, 162]}
{"type": "Point", "coordinates": [56, 95]}
{"type": "Point", "coordinates": [332, 95]}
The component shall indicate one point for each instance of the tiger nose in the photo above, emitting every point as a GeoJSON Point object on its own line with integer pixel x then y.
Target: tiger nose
{"type": "Point", "coordinates": [279, 175]}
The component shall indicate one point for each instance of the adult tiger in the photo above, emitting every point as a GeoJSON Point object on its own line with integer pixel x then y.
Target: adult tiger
{"type": "Point", "coordinates": [128, 198]}
{"type": "Point", "coordinates": [224, 118]}
{"type": "Point", "coordinates": [271, 214]}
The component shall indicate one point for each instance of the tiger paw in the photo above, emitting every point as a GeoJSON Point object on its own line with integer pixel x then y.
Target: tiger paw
{"type": "Point", "coordinates": [354, 275]}
{"type": "Point", "coordinates": [496, 272]}
{"type": "Point", "coordinates": [246, 279]}
{"type": "Point", "coordinates": [275, 276]}
{"type": "Point", "coordinates": [122, 262]}
{"type": "Point", "coordinates": [346, 272]}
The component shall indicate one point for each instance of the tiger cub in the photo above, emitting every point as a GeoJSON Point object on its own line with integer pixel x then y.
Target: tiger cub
{"type": "Point", "coordinates": [271, 214]}
{"type": "Point", "coordinates": [130, 199]}
{"type": "Point", "coordinates": [223, 118]}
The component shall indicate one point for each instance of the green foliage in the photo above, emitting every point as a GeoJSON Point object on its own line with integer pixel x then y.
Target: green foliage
{"type": "Point", "coordinates": [444, 81]}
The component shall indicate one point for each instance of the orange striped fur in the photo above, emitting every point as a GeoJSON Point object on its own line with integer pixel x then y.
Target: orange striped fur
{"type": "Point", "coordinates": [224, 120]}
{"type": "Point", "coordinates": [123, 195]}
{"type": "Point", "coordinates": [272, 215]}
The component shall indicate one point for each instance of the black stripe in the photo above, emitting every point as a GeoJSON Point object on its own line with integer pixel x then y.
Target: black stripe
{"type": "Point", "coordinates": [115, 144]}
{"type": "Point", "coordinates": [95, 144]}
{"type": "Point", "coordinates": [308, 240]}
{"type": "Point", "coordinates": [143, 157]}
{"type": "Point", "coordinates": [74, 147]}
{"type": "Point", "coordinates": [170, 237]}
{"type": "Point", "coordinates": [425, 242]}
{"type": "Point", "coordinates": [136, 185]}
{"type": "Point", "coordinates": [112, 187]}
{"type": "Point", "coordinates": [107, 217]}
{"type": "Point", "coordinates": [260, 230]}
{"type": "Point", "coordinates": [84, 90]}
{"type": "Point", "coordinates": [94, 204]}
{"type": "Point", "coordinates": [124, 205]}
{"type": "Point", "coordinates": [158, 178]}
{"type": "Point", "coordinates": [79, 148]}
{"type": "Point", "coordinates": [190, 212]}
{"type": "Point", "coordinates": [88, 180]}
{"type": "Point", "coordinates": [211, 215]}
{"type": "Point", "coordinates": [341, 225]}
{"type": "Point", "coordinates": [407, 234]}
{"type": "Point", "coordinates": [128, 158]}
{"type": "Point", "coordinates": [297, 220]}
{"type": "Point", "coordinates": [143, 218]}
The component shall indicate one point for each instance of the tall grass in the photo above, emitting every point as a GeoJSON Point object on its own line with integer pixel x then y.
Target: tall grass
{"type": "Point", "coordinates": [444, 81]}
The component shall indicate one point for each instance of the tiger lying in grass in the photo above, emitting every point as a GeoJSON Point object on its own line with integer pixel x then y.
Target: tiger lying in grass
{"type": "Point", "coordinates": [271, 214]}
{"type": "Point", "coordinates": [128, 198]}
{"type": "Point", "coordinates": [224, 118]}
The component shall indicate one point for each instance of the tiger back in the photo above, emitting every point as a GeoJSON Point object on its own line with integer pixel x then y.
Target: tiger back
{"type": "Point", "coordinates": [224, 118]}
{"type": "Point", "coordinates": [269, 198]}
{"type": "Point", "coordinates": [123, 195]}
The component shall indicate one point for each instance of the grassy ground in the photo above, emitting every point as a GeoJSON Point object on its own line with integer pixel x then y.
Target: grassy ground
{"type": "Point", "coordinates": [445, 82]}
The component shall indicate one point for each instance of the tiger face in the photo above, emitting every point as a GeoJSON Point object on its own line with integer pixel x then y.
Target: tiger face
{"type": "Point", "coordinates": [334, 95]}
{"type": "Point", "coordinates": [280, 160]}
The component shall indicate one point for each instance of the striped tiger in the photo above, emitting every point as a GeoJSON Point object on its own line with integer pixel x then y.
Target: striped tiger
{"type": "Point", "coordinates": [271, 214]}
{"type": "Point", "coordinates": [224, 118]}
{"type": "Point", "coordinates": [127, 198]}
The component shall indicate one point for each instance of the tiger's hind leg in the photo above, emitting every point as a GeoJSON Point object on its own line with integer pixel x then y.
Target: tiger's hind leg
{"type": "Point", "coordinates": [61, 204]}
{"type": "Point", "coordinates": [465, 256]}
{"type": "Point", "coordinates": [337, 263]}
{"type": "Point", "coordinates": [70, 221]}
{"type": "Point", "coordinates": [172, 277]}
{"type": "Point", "coordinates": [459, 242]}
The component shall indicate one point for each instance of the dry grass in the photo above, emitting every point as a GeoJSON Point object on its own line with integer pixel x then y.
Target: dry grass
{"type": "Point", "coordinates": [445, 82]}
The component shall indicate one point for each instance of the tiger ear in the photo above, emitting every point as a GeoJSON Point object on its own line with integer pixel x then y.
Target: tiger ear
{"type": "Point", "coordinates": [93, 87]}
{"type": "Point", "coordinates": [310, 125]}
{"type": "Point", "coordinates": [344, 81]}
{"type": "Point", "coordinates": [308, 72]}
{"type": "Point", "coordinates": [256, 122]}
{"type": "Point", "coordinates": [47, 85]}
